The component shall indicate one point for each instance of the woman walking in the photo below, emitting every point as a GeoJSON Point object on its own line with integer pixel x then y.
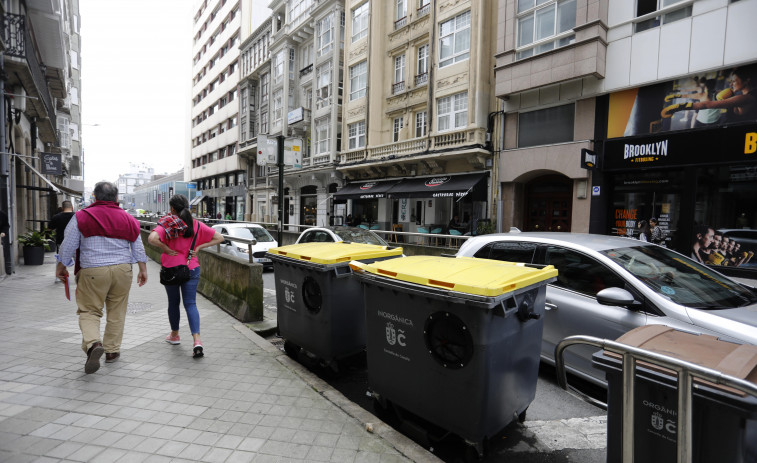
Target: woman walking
{"type": "Point", "coordinates": [174, 235]}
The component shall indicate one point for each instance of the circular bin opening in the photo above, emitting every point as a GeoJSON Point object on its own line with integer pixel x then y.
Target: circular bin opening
{"type": "Point", "coordinates": [448, 340]}
{"type": "Point", "coordinates": [311, 295]}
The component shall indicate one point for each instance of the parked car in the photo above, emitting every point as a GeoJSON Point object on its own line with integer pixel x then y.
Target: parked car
{"type": "Point", "coordinates": [608, 285]}
{"type": "Point", "coordinates": [340, 233]}
{"type": "Point", "coordinates": [248, 231]}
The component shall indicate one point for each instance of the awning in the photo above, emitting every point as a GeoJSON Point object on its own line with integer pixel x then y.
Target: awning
{"type": "Point", "coordinates": [68, 191]}
{"type": "Point", "coordinates": [53, 187]}
{"type": "Point", "coordinates": [469, 186]}
{"type": "Point", "coordinates": [197, 199]}
{"type": "Point", "coordinates": [365, 190]}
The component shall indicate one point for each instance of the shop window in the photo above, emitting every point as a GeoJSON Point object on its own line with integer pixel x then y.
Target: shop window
{"type": "Point", "coordinates": [546, 126]}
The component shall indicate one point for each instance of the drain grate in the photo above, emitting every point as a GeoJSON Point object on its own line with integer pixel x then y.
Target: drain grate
{"type": "Point", "coordinates": [136, 307]}
{"type": "Point", "coordinates": [278, 342]}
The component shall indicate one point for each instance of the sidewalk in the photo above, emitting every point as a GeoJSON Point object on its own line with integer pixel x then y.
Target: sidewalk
{"type": "Point", "coordinates": [245, 401]}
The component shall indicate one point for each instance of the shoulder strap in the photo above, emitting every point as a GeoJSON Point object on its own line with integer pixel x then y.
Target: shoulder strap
{"type": "Point", "coordinates": [192, 246]}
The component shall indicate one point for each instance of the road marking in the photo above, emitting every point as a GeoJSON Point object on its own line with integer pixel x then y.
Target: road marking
{"type": "Point", "coordinates": [572, 433]}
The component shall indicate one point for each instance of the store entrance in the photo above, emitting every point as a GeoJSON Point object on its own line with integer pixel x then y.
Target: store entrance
{"type": "Point", "coordinates": [549, 204]}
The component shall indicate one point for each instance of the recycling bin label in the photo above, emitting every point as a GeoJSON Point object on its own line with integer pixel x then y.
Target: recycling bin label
{"type": "Point", "coordinates": [290, 295]}
{"type": "Point", "coordinates": [397, 331]}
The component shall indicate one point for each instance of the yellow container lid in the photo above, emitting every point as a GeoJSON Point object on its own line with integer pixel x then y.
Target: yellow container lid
{"type": "Point", "coordinates": [334, 253]}
{"type": "Point", "coordinates": [483, 277]}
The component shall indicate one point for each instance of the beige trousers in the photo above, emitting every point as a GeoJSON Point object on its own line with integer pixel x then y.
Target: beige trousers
{"type": "Point", "coordinates": [99, 287]}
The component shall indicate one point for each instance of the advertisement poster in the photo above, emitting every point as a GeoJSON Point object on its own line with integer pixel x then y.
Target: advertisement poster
{"type": "Point", "coordinates": [702, 100]}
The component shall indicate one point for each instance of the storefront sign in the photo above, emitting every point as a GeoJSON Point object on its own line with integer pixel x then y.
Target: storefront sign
{"type": "Point", "coordinates": [51, 164]}
{"type": "Point", "coordinates": [724, 145]}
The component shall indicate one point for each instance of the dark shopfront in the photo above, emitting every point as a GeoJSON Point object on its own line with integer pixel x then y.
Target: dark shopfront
{"type": "Point", "coordinates": [700, 184]}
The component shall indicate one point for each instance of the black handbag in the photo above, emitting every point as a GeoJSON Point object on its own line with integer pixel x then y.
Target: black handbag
{"type": "Point", "coordinates": [172, 276]}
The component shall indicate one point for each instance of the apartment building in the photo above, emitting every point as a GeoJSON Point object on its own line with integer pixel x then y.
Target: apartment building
{"type": "Point", "coordinates": [619, 111]}
{"type": "Point", "coordinates": [138, 174]}
{"type": "Point", "coordinates": [40, 61]}
{"type": "Point", "coordinates": [291, 86]}
{"type": "Point", "coordinates": [419, 114]}
{"type": "Point", "coordinates": [213, 161]}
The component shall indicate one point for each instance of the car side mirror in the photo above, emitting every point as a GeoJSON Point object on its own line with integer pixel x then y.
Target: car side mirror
{"type": "Point", "coordinates": [617, 296]}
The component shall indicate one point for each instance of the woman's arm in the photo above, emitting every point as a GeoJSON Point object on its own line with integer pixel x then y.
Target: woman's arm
{"type": "Point", "coordinates": [154, 240]}
{"type": "Point", "coordinates": [217, 239]}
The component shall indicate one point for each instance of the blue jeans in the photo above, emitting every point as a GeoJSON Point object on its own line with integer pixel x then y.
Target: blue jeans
{"type": "Point", "coordinates": [189, 295]}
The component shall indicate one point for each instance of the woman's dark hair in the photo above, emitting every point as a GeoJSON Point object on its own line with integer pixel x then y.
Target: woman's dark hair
{"type": "Point", "coordinates": [180, 204]}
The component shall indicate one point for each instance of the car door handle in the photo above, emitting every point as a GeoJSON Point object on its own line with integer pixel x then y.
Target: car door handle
{"type": "Point", "coordinates": [550, 306]}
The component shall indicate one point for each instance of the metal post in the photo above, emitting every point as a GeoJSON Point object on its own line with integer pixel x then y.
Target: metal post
{"type": "Point", "coordinates": [5, 169]}
{"type": "Point", "coordinates": [280, 165]}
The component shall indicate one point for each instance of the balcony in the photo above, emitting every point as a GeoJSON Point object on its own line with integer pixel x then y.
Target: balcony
{"type": "Point", "coordinates": [400, 23]}
{"type": "Point", "coordinates": [398, 87]}
{"type": "Point", "coordinates": [25, 70]}
{"type": "Point", "coordinates": [306, 70]}
{"type": "Point", "coordinates": [421, 79]}
{"type": "Point", "coordinates": [424, 10]}
{"type": "Point", "coordinates": [416, 146]}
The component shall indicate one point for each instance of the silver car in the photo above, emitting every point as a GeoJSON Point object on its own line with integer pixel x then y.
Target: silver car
{"type": "Point", "coordinates": [608, 285]}
{"type": "Point", "coordinates": [247, 231]}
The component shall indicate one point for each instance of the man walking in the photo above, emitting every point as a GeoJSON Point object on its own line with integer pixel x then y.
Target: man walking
{"type": "Point", "coordinates": [59, 222]}
{"type": "Point", "coordinates": [103, 241]}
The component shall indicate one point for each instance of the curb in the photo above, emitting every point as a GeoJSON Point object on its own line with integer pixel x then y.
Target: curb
{"type": "Point", "coordinates": [369, 422]}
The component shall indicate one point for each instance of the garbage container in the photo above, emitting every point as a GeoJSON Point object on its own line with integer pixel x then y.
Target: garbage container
{"type": "Point", "coordinates": [455, 341]}
{"type": "Point", "coordinates": [724, 420]}
{"type": "Point", "coordinates": [320, 308]}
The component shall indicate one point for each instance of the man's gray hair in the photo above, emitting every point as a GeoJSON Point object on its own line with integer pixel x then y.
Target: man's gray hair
{"type": "Point", "coordinates": [67, 204]}
{"type": "Point", "coordinates": [106, 191]}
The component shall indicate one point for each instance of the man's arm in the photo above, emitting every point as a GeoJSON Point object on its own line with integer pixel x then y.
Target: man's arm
{"type": "Point", "coordinates": [140, 257]}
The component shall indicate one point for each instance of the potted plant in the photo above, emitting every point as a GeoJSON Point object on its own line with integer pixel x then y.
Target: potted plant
{"type": "Point", "coordinates": [49, 235]}
{"type": "Point", "coordinates": [34, 245]}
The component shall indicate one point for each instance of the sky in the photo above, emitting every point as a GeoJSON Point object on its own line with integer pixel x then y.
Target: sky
{"type": "Point", "coordinates": [136, 77]}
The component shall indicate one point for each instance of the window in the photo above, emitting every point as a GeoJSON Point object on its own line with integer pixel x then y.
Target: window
{"type": "Point", "coordinates": [264, 84]}
{"type": "Point", "coordinates": [322, 136]}
{"type": "Point", "coordinates": [644, 7]}
{"type": "Point", "coordinates": [401, 11]}
{"type": "Point", "coordinates": [546, 126]}
{"type": "Point", "coordinates": [278, 95]}
{"type": "Point", "coordinates": [264, 122]}
{"type": "Point", "coordinates": [399, 74]}
{"type": "Point", "coordinates": [510, 251]}
{"type": "Point", "coordinates": [454, 39]}
{"type": "Point", "coordinates": [278, 66]}
{"type": "Point", "coordinates": [421, 124]}
{"type": "Point", "coordinates": [421, 76]}
{"type": "Point", "coordinates": [580, 273]}
{"type": "Point", "coordinates": [356, 135]}
{"type": "Point", "coordinates": [452, 112]}
{"type": "Point", "coordinates": [397, 128]}
{"type": "Point", "coordinates": [323, 89]}
{"type": "Point", "coordinates": [360, 20]}
{"type": "Point", "coordinates": [325, 38]}
{"type": "Point", "coordinates": [243, 129]}
{"type": "Point", "coordinates": [306, 57]}
{"type": "Point", "coordinates": [358, 80]}
{"type": "Point", "coordinates": [291, 64]}
{"type": "Point", "coordinates": [545, 19]}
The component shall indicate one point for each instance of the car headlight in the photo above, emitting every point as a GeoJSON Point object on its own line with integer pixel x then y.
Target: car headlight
{"type": "Point", "coordinates": [244, 249]}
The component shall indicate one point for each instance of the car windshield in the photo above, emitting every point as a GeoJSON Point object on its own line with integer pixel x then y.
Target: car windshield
{"type": "Point", "coordinates": [251, 233]}
{"type": "Point", "coordinates": [681, 280]}
{"type": "Point", "coordinates": [358, 235]}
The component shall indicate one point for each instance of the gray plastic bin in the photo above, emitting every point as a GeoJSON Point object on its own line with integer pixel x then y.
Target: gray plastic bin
{"type": "Point", "coordinates": [319, 305]}
{"type": "Point", "coordinates": [455, 341]}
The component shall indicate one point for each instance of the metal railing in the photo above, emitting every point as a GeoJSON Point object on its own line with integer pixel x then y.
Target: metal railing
{"type": "Point", "coordinates": [685, 371]}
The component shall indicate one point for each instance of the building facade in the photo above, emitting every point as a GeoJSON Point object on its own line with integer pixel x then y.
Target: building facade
{"type": "Point", "coordinates": [41, 161]}
{"type": "Point", "coordinates": [213, 161]}
{"type": "Point", "coordinates": [138, 174]}
{"type": "Point", "coordinates": [419, 116]}
{"type": "Point", "coordinates": [618, 112]}
{"type": "Point", "coordinates": [154, 195]}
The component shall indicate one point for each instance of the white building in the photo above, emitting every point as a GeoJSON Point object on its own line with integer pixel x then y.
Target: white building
{"type": "Point", "coordinates": [138, 174]}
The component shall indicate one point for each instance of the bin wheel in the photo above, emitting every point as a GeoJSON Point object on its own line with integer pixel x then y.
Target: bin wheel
{"type": "Point", "coordinates": [292, 349]}
{"type": "Point", "coordinates": [522, 416]}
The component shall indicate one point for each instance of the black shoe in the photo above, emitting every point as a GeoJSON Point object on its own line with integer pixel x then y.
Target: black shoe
{"type": "Point", "coordinates": [93, 358]}
{"type": "Point", "coordinates": [112, 357]}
